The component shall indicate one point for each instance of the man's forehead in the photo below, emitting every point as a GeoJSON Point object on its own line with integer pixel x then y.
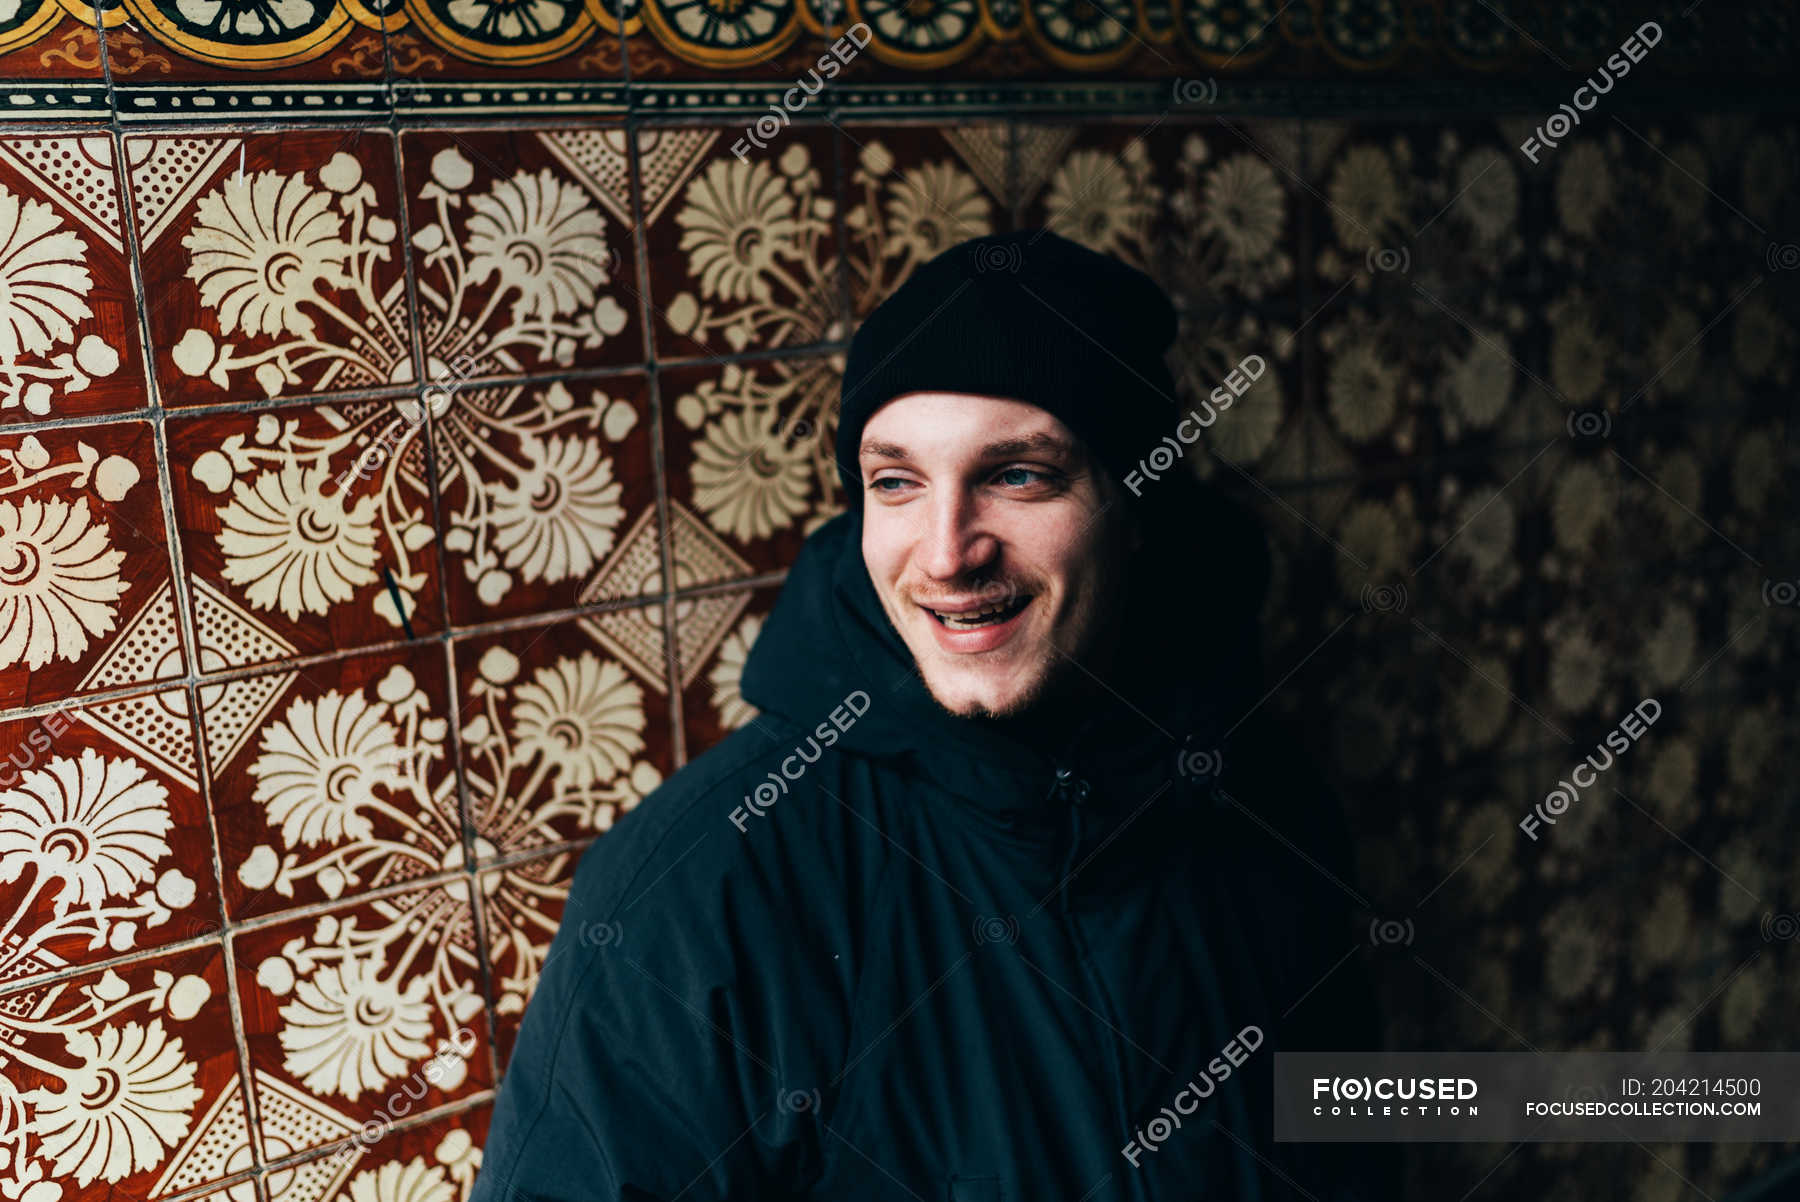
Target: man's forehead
{"type": "Point", "coordinates": [994, 426]}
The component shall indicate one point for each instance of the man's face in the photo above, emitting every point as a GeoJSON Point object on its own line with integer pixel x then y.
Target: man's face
{"type": "Point", "coordinates": [997, 548]}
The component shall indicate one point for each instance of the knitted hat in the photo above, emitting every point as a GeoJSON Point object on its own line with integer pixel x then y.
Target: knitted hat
{"type": "Point", "coordinates": [1030, 316]}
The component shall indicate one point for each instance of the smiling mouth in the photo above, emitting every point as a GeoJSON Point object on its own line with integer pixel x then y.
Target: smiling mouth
{"type": "Point", "coordinates": [975, 619]}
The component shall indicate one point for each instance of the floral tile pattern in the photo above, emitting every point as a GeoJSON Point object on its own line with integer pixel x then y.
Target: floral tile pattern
{"type": "Point", "coordinates": [103, 841]}
{"type": "Point", "coordinates": [742, 249]}
{"type": "Point", "coordinates": [107, 1074]}
{"type": "Point", "coordinates": [85, 596]}
{"type": "Point", "coordinates": [521, 906]}
{"type": "Point", "coordinates": [711, 705]}
{"type": "Point", "coordinates": [912, 191]}
{"type": "Point", "coordinates": [1208, 210]}
{"type": "Point", "coordinates": [435, 1160]}
{"type": "Point", "coordinates": [1421, 268]}
{"type": "Point", "coordinates": [346, 1010]}
{"type": "Point", "coordinates": [310, 528]}
{"type": "Point", "coordinates": [276, 262]}
{"type": "Point", "coordinates": [547, 496]}
{"type": "Point", "coordinates": [750, 462]}
{"type": "Point", "coordinates": [332, 780]}
{"type": "Point", "coordinates": [565, 727]}
{"type": "Point", "coordinates": [68, 339]}
{"type": "Point", "coordinates": [521, 240]}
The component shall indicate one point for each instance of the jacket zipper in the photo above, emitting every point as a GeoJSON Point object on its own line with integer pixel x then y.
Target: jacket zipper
{"type": "Point", "coordinates": [1069, 787]}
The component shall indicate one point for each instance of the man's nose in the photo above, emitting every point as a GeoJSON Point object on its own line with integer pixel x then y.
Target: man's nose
{"type": "Point", "coordinates": [954, 542]}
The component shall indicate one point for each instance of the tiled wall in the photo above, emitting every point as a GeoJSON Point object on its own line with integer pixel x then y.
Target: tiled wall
{"type": "Point", "coordinates": [397, 460]}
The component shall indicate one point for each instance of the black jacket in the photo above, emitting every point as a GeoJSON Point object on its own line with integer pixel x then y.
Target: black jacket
{"type": "Point", "coordinates": [929, 961]}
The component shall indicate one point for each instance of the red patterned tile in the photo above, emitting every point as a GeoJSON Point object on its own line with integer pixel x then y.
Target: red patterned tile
{"type": "Point", "coordinates": [912, 191]}
{"type": "Point", "coordinates": [749, 461]}
{"type": "Point", "coordinates": [332, 780]}
{"type": "Point", "coordinates": [547, 496]}
{"type": "Point", "coordinates": [437, 1159]}
{"type": "Point", "coordinates": [276, 262]}
{"type": "Point", "coordinates": [743, 251]}
{"type": "Point", "coordinates": [103, 843]}
{"type": "Point", "coordinates": [109, 1074]}
{"type": "Point", "coordinates": [86, 601]}
{"type": "Point", "coordinates": [68, 328]}
{"type": "Point", "coordinates": [521, 907]}
{"type": "Point", "coordinates": [713, 661]}
{"type": "Point", "coordinates": [521, 240]}
{"type": "Point", "coordinates": [346, 1011]}
{"type": "Point", "coordinates": [304, 528]}
{"type": "Point", "coordinates": [565, 727]}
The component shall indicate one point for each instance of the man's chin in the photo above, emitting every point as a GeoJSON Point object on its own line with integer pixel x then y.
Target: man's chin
{"type": "Point", "coordinates": [971, 695]}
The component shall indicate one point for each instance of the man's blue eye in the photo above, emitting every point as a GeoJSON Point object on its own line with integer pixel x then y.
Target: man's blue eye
{"type": "Point", "coordinates": [1016, 472]}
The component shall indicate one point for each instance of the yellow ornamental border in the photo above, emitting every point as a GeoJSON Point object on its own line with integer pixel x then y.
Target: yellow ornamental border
{"type": "Point", "coordinates": [996, 32]}
{"type": "Point", "coordinates": [1248, 56]}
{"type": "Point", "coordinates": [925, 60]}
{"type": "Point", "coordinates": [265, 57]}
{"type": "Point", "coordinates": [368, 18]}
{"type": "Point", "coordinates": [46, 18]}
{"type": "Point", "coordinates": [1080, 62]}
{"type": "Point", "coordinates": [465, 47]}
{"type": "Point", "coordinates": [607, 23]}
{"type": "Point", "coordinates": [678, 43]}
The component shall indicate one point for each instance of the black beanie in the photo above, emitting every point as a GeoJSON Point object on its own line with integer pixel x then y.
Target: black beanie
{"type": "Point", "coordinates": [1027, 315]}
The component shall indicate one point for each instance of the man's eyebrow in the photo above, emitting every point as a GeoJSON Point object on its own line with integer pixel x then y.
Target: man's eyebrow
{"type": "Point", "coordinates": [883, 450]}
{"type": "Point", "coordinates": [1042, 442]}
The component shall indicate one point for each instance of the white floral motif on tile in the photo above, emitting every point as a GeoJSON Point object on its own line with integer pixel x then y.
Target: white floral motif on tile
{"type": "Point", "coordinates": [122, 1093]}
{"type": "Point", "coordinates": [60, 579]}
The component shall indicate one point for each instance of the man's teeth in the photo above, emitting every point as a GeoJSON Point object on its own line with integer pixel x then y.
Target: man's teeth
{"type": "Point", "coordinates": [979, 617]}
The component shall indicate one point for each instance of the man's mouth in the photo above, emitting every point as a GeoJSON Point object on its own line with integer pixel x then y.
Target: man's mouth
{"type": "Point", "coordinates": [975, 618]}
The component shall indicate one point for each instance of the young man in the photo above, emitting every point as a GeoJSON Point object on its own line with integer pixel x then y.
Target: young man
{"type": "Point", "coordinates": [969, 910]}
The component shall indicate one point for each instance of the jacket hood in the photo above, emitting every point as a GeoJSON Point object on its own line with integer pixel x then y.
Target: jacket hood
{"type": "Point", "coordinates": [1188, 668]}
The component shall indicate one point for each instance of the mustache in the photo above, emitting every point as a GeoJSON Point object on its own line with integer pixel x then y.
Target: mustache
{"type": "Point", "coordinates": [986, 592]}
